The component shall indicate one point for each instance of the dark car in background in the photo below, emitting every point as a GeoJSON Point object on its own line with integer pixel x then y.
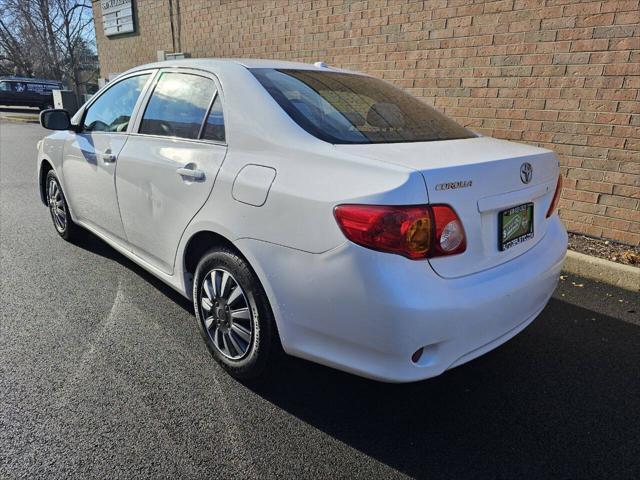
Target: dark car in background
{"type": "Point", "coordinates": [28, 92]}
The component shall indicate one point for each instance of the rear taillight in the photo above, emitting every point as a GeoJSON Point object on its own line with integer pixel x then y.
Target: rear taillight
{"type": "Point", "coordinates": [556, 197]}
{"type": "Point", "coordinates": [415, 231]}
{"type": "Point", "coordinates": [448, 232]}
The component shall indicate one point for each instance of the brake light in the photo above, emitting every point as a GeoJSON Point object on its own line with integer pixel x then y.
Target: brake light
{"type": "Point", "coordinates": [556, 198]}
{"type": "Point", "coordinates": [414, 231]}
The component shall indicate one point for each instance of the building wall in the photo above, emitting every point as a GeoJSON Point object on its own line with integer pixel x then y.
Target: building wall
{"type": "Point", "coordinates": [562, 74]}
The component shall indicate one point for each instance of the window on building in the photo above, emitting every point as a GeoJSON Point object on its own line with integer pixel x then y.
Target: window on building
{"type": "Point", "coordinates": [112, 111]}
{"type": "Point", "coordinates": [214, 128]}
{"type": "Point", "coordinates": [178, 105]}
{"type": "Point", "coordinates": [347, 108]}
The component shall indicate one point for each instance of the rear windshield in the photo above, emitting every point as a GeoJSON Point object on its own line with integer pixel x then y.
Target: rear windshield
{"type": "Point", "coordinates": [348, 108]}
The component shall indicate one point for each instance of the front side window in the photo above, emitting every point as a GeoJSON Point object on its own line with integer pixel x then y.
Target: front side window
{"type": "Point", "coordinates": [4, 87]}
{"type": "Point", "coordinates": [178, 105]}
{"type": "Point", "coordinates": [348, 108]}
{"type": "Point", "coordinates": [112, 111]}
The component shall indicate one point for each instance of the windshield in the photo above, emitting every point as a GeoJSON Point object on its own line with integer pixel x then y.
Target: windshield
{"type": "Point", "coordinates": [349, 108]}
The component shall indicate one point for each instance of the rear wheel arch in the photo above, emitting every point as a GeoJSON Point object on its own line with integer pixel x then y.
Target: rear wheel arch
{"type": "Point", "coordinates": [197, 246]}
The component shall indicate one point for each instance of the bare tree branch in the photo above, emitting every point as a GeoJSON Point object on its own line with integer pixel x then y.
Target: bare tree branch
{"type": "Point", "coordinates": [51, 38]}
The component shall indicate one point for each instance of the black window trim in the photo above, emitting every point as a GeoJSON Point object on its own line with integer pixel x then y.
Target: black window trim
{"type": "Point", "coordinates": [149, 93]}
{"type": "Point", "coordinates": [206, 118]}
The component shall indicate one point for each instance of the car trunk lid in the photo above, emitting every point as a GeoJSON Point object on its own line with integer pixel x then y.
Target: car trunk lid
{"type": "Point", "coordinates": [479, 177]}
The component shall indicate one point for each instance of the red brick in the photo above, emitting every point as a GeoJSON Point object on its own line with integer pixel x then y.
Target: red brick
{"type": "Point", "coordinates": [625, 18]}
{"type": "Point", "coordinates": [582, 8]}
{"type": "Point", "coordinates": [610, 57]}
{"type": "Point", "coordinates": [574, 216]}
{"type": "Point", "coordinates": [624, 237]}
{"type": "Point", "coordinates": [611, 223]}
{"type": "Point", "coordinates": [622, 178]}
{"type": "Point", "coordinates": [609, 142]}
{"type": "Point", "coordinates": [619, 5]}
{"type": "Point", "coordinates": [623, 213]}
{"type": "Point", "coordinates": [613, 118]}
{"type": "Point", "coordinates": [596, 19]}
{"type": "Point", "coordinates": [631, 167]}
{"type": "Point", "coordinates": [575, 34]}
{"type": "Point", "coordinates": [622, 69]}
{"type": "Point", "coordinates": [618, 201]}
{"type": "Point", "coordinates": [591, 186]}
{"type": "Point", "coordinates": [589, 197]}
{"type": "Point", "coordinates": [592, 45]}
{"type": "Point", "coordinates": [562, 104]}
{"type": "Point", "coordinates": [631, 43]}
{"type": "Point", "coordinates": [627, 191]}
{"type": "Point", "coordinates": [586, 207]}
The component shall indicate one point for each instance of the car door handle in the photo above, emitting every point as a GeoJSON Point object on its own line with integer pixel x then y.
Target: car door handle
{"type": "Point", "coordinates": [108, 158]}
{"type": "Point", "coordinates": [191, 173]}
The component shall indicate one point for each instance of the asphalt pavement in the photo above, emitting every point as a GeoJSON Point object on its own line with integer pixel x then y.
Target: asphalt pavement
{"type": "Point", "coordinates": [103, 374]}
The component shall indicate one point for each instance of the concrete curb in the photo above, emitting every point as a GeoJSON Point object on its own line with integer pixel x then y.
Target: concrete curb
{"type": "Point", "coordinates": [601, 270]}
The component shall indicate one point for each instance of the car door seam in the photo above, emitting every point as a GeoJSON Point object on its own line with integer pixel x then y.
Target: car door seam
{"type": "Point", "coordinates": [115, 186]}
{"type": "Point", "coordinates": [175, 256]}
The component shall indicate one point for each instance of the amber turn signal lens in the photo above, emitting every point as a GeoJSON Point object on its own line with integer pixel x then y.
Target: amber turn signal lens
{"type": "Point", "coordinates": [419, 235]}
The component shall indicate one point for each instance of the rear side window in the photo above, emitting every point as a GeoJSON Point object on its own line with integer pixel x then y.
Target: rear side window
{"type": "Point", "coordinates": [112, 111]}
{"type": "Point", "coordinates": [348, 108]}
{"type": "Point", "coordinates": [178, 105]}
{"type": "Point", "coordinates": [214, 128]}
{"type": "Point", "coordinates": [5, 87]}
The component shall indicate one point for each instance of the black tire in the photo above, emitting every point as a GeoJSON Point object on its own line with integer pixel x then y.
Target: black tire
{"type": "Point", "coordinates": [67, 229]}
{"type": "Point", "coordinates": [263, 346]}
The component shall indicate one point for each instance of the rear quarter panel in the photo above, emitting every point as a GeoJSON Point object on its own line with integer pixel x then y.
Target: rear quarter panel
{"type": "Point", "coordinates": [298, 212]}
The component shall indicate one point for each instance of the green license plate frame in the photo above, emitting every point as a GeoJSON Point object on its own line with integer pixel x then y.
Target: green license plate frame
{"type": "Point", "coordinates": [515, 225]}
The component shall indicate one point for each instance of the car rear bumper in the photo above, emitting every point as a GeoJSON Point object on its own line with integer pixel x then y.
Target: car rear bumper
{"type": "Point", "coordinates": [366, 312]}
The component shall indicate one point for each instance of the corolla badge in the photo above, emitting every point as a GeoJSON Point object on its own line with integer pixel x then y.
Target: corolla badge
{"type": "Point", "coordinates": [526, 172]}
{"type": "Point", "coordinates": [454, 185]}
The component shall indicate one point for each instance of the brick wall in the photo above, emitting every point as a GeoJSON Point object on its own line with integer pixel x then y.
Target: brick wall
{"type": "Point", "coordinates": [563, 74]}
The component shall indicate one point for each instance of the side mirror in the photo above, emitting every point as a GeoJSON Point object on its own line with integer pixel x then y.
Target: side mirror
{"type": "Point", "coordinates": [55, 119]}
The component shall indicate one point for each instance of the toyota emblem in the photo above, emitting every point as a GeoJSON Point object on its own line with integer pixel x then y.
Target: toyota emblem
{"type": "Point", "coordinates": [526, 172]}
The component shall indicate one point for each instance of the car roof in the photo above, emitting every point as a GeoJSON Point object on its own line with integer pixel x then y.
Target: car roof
{"type": "Point", "coordinates": [220, 64]}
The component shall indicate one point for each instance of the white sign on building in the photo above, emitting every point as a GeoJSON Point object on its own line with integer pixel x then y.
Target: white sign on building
{"type": "Point", "coordinates": [117, 17]}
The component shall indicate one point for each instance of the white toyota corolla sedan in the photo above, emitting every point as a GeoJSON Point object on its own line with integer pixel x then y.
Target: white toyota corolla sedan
{"type": "Point", "coordinates": [311, 209]}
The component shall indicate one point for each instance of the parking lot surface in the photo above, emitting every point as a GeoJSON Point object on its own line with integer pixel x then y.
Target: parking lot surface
{"type": "Point", "coordinates": [103, 374]}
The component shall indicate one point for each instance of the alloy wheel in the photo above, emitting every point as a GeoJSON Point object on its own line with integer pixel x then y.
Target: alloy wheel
{"type": "Point", "coordinates": [226, 314]}
{"type": "Point", "coordinates": [57, 206]}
